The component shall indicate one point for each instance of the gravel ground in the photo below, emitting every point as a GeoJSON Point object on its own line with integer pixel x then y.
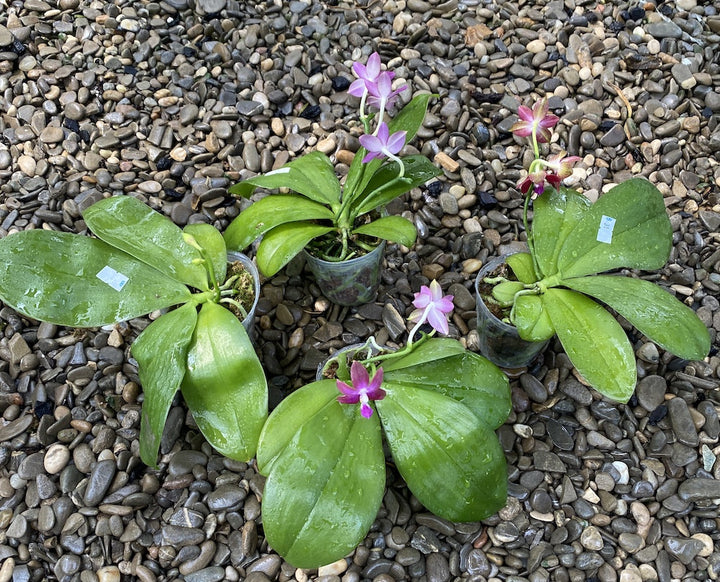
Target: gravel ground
{"type": "Point", "coordinates": [173, 101]}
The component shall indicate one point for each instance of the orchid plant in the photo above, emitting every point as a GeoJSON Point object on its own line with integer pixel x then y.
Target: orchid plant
{"type": "Point", "coordinates": [338, 222]}
{"type": "Point", "coordinates": [142, 262]}
{"type": "Point", "coordinates": [322, 451]}
{"type": "Point", "coordinates": [549, 289]}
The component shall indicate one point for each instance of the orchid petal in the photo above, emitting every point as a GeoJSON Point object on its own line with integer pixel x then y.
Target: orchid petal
{"type": "Point", "coordinates": [438, 321]}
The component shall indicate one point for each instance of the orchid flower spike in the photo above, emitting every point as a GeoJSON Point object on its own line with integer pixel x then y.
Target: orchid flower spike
{"type": "Point", "coordinates": [363, 389]}
{"type": "Point", "coordinates": [383, 144]}
{"type": "Point", "coordinates": [432, 306]}
{"type": "Point", "coordinates": [537, 121]}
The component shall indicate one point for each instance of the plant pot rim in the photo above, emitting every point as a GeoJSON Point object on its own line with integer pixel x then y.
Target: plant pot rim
{"type": "Point", "coordinates": [380, 245]}
{"type": "Point", "coordinates": [250, 266]}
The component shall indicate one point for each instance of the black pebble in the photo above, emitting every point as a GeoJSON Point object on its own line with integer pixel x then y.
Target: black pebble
{"type": "Point", "coordinates": [340, 83]}
{"type": "Point", "coordinates": [310, 112]}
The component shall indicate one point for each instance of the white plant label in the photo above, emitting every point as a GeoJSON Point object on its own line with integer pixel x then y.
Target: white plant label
{"type": "Point", "coordinates": [604, 234]}
{"type": "Point", "coordinates": [112, 277]}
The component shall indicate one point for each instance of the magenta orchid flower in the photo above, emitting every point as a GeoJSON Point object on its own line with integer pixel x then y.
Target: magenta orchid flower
{"type": "Point", "coordinates": [537, 121]}
{"type": "Point", "coordinates": [367, 76]}
{"type": "Point", "coordinates": [553, 171]}
{"type": "Point", "coordinates": [363, 389]}
{"type": "Point", "coordinates": [383, 144]}
{"type": "Point", "coordinates": [432, 306]}
{"type": "Point", "coordinates": [561, 164]}
{"type": "Point", "coordinates": [535, 180]}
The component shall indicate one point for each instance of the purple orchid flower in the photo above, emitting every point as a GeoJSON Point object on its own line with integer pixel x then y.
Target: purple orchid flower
{"type": "Point", "coordinates": [383, 144]}
{"type": "Point", "coordinates": [363, 389]}
{"type": "Point", "coordinates": [381, 95]}
{"type": "Point", "coordinates": [433, 307]}
{"type": "Point", "coordinates": [367, 76]}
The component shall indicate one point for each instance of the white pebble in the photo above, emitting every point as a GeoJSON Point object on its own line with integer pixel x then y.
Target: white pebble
{"type": "Point", "coordinates": [624, 472]}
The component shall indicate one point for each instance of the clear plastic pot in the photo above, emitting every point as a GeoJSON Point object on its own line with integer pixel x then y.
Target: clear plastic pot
{"type": "Point", "coordinates": [233, 256]}
{"type": "Point", "coordinates": [352, 282]}
{"type": "Point", "coordinates": [499, 341]}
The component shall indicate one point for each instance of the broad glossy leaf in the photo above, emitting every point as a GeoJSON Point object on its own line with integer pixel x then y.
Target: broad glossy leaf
{"type": "Point", "coordinates": [531, 319]}
{"type": "Point", "coordinates": [211, 241]}
{"type": "Point", "coordinates": [224, 385]}
{"type": "Point", "coordinates": [269, 212]}
{"type": "Point", "coordinates": [393, 228]}
{"type": "Point", "coordinates": [324, 490]}
{"type": "Point", "coordinates": [55, 277]}
{"type": "Point", "coordinates": [131, 226]}
{"type": "Point", "coordinates": [555, 215]}
{"type": "Point", "coordinates": [382, 188]}
{"type": "Point", "coordinates": [283, 242]}
{"type": "Point", "coordinates": [655, 312]}
{"type": "Point", "coordinates": [466, 377]}
{"type": "Point", "coordinates": [161, 352]}
{"type": "Point", "coordinates": [595, 343]}
{"type": "Point", "coordinates": [640, 236]}
{"type": "Point", "coordinates": [451, 461]}
{"type": "Point", "coordinates": [522, 266]}
{"type": "Point", "coordinates": [311, 175]}
{"type": "Point", "coordinates": [431, 349]}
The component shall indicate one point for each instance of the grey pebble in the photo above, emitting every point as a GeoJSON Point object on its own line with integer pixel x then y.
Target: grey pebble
{"type": "Point", "coordinates": [226, 497]}
{"type": "Point", "coordinates": [650, 392]}
{"type": "Point", "coordinates": [697, 489]}
{"type": "Point", "coordinates": [682, 422]}
{"type": "Point", "coordinates": [683, 549]}
{"type": "Point", "coordinates": [212, 574]}
{"type": "Point", "coordinates": [99, 482]}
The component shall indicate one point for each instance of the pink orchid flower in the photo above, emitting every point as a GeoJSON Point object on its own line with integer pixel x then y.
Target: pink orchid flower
{"type": "Point", "coordinates": [363, 389]}
{"type": "Point", "coordinates": [383, 144]}
{"type": "Point", "coordinates": [433, 307]}
{"type": "Point", "coordinates": [537, 121]}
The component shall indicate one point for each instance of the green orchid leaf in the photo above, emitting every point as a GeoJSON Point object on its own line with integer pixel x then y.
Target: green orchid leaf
{"type": "Point", "coordinates": [451, 461]}
{"type": "Point", "coordinates": [283, 242]}
{"type": "Point", "coordinates": [652, 310]}
{"type": "Point", "coordinates": [311, 175]}
{"type": "Point", "coordinates": [504, 293]}
{"type": "Point", "coordinates": [430, 349]}
{"type": "Point", "coordinates": [555, 215]}
{"type": "Point", "coordinates": [383, 188]}
{"type": "Point", "coordinates": [224, 385]}
{"type": "Point", "coordinates": [409, 119]}
{"type": "Point", "coordinates": [627, 227]}
{"type": "Point", "coordinates": [131, 226]}
{"type": "Point", "coordinates": [523, 268]}
{"type": "Point", "coordinates": [161, 353]}
{"type": "Point", "coordinates": [283, 423]}
{"type": "Point", "coordinates": [325, 476]}
{"type": "Point", "coordinates": [465, 377]}
{"type": "Point", "coordinates": [213, 244]}
{"type": "Point", "coordinates": [595, 343]}
{"type": "Point", "coordinates": [393, 228]}
{"type": "Point", "coordinates": [268, 213]}
{"type": "Point", "coordinates": [78, 281]}
{"type": "Point", "coordinates": [531, 319]}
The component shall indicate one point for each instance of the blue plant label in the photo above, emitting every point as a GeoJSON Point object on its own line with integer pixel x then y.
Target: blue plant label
{"type": "Point", "coordinates": [604, 234]}
{"type": "Point", "coordinates": [112, 277]}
